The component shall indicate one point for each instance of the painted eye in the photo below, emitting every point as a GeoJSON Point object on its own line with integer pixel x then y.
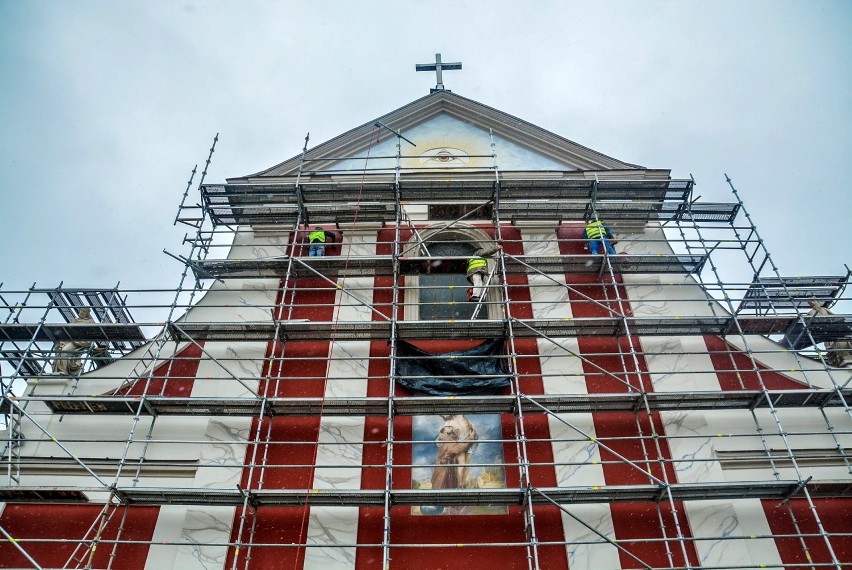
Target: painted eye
{"type": "Point", "coordinates": [444, 156]}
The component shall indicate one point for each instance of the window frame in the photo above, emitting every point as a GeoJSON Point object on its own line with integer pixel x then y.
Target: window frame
{"type": "Point", "coordinates": [459, 232]}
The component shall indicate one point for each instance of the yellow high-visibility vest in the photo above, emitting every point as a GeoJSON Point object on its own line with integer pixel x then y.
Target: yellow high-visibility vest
{"type": "Point", "coordinates": [317, 235]}
{"type": "Point", "coordinates": [595, 230]}
{"type": "Point", "coordinates": [475, 263]}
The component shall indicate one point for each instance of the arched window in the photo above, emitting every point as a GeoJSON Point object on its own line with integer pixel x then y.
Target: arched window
{"type": "Point", "coordinates": [443, 290]}
{"type": "Point", "coordinates": [439, 291]}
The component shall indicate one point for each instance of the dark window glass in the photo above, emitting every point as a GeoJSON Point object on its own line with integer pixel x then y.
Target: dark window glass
{"type": "Point", "coordinates": [443, 290]}
{"type": "Point", "coordinates": [456, 211]}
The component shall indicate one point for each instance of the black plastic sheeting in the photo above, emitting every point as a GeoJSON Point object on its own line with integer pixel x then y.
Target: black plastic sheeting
{"type": "Point", "coordinates": [478, 370]}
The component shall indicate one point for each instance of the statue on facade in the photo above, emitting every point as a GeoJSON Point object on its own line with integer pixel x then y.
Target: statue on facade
{"type": "Point", "coordinates": [838, 353]}
{"type": "Point", "coordinates": [67, 360]}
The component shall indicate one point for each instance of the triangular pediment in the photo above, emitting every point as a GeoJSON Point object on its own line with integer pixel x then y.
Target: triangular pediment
{"type": "Point", "coordinates": [450, 130]}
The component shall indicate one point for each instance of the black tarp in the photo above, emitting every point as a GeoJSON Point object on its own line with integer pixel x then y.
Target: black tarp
{"type": "Point", "coordinates": [478, 370]}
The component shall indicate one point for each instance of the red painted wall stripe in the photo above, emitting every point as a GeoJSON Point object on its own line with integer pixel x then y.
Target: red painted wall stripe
{"type": "Point", "coordinates": [293, 440]}
{"type": "Point", "coordinates": [174, 378]}
{"type": "Point", "coordinates": [836, 517]}
{"type": "Point", "coordinates": [71, 523]}
{"type": "Point", "coordinates": [735, 370]}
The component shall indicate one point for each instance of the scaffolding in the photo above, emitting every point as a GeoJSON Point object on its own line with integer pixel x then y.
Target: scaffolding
{"type": "Point", "coordinates": [374, 292]}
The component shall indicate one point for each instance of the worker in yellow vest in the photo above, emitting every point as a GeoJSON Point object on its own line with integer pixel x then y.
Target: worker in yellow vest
{"type": "Point", "coordinates": [317, 240]}
{"type": "Point", "coordinates": [477, 271]}
{"type": "Point", "coordinates": [598, 234]}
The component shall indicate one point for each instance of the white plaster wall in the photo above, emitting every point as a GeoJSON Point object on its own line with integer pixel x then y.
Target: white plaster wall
{"type": "Point", "coordinates": [444, 131]}
{"type": "Point", "coordinates": [170, 523]}
{"type": "Point", "coordinates": [587, 528]}
{"type": "Point", "coordinates": [681, 364]}
{"type": "Point", "coordinates": [226, 370]}
{"type": "Point", "coordinates": [204, 536]}
{"type": "Point", "coordinates": [731, 526]}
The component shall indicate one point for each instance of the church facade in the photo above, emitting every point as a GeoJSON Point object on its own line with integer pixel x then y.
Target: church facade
{"type": "Point", "coordinates": [332, 389]}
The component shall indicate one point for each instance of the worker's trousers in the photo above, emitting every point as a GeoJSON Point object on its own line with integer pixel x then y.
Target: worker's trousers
{"type": "Point", "coordinates": [594, 246]}
{"type": "Point", "coordinates": [478, 282]}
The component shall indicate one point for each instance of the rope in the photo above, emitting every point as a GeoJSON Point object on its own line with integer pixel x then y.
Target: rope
{"type": "Point", "coordinates": [303, 525]}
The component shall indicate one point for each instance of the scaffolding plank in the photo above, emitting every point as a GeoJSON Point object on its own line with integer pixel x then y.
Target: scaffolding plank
{"type": "Point", "coordinates": [792, 293]}
{"type": "Point", "coordinates": [67, 302]}
{"type": "Point", "coordinates": [110, 307]}
{"type": "Point", "coordinates": [103, 332]}
{"type": "Point", "coordinates": [836, 327]}
{"type": "Point", "coordinates": [434, 190]}
{"type": "Point", "coordinates": [714, 212]}
{"type": "Point", "coordinates": [567, 189]}
{"type": "Point", "coordinates": [533, 199]}
{"type": "Point", "coordinates": [820, 328]}
{"type": "Point", "coordinates": [382, 265]}
{"type": "Point", "coordinates": [314, 214]}
{"type": "Point", "coordinates": [348, 191]}
{"type": "Point", "coordinates": [481, 328]}
{"type": "Point", "coordinates": [777, 490]}
{"type": "Point", "coordinates": [773, 490]}
{"type": "Point", "coordinates": [633, 264]}
{"type": "Point", "coordinates": [407, 406]}
{"type": "Point", "coordinates": [41, 495]}
{"type": "Point", "coordinates": [225, 215]}
{"type": "Point", "coordinates": [24, 361]}
{"type": "Point", "coordinates": [255, 203]}
{"type": "Point", "coordinates": [303, 266]}
{"type": "Point", "coordinates": [349, 213]}
{"type": "Point", "coordinates": [611, 212]}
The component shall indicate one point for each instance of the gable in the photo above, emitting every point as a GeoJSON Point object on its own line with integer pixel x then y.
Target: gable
{"type": "Point", "coordinates": [444, 141]}
{"type": "Point", "coordinates": [444, 120]}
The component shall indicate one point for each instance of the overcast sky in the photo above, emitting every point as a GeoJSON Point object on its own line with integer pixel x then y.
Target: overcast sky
{"type": "Point", "coordinates": [106, 106]}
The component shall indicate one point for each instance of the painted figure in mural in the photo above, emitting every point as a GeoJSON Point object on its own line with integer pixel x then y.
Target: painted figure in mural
{"type": "Point", "coordinates": [317, 240]}
{"type": "Point", "coordinates": [598, 234]}
{"type": "Point", "coordinates": [477, 271]}
{"type": "Point", "coordinates": [456, 444]}
{"type": "Point", "coordinates": [839, 353]}
{"type": "Point", "coordinates": [67, 360]}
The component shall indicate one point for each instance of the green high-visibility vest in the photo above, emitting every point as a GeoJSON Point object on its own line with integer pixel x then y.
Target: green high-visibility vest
{"type": "Point", "coordinates": [595, 230]}
{"type": "Point", "coordinates": [317, 235]}
{"type": "Point", "coordinates": [475, 263]}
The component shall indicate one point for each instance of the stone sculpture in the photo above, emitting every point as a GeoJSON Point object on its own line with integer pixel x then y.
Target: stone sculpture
{"type": "Point", "coordinates": [67, 360]}
{"type": "Point", "coordinates": [838, 353]}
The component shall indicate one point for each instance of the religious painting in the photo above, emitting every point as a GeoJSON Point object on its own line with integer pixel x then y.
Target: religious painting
{"type": "Point", "coordinates": [458, 452]}
{"type": "Point", "coordinates": [444, 156]}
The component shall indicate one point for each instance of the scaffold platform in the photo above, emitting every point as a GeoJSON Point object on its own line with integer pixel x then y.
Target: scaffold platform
{"type": "Point", "coordinates": [258, 498]}
{"type": "Point", "coordinates": [835, 327]}
{"type": "Point", "coordinates": [508, 497]}
{"type": "Point", "coordinates": [382, 265]}
{"type": "Point", "coordinates": [828, 328]}
{"type": "Point", "coordinates": [411, 406]}
{"type": "Point", "coordinates": [770, 294]}
{"type": "Point", "coordinates": [60, 332]}
{"type": "Point", "coordinates": [346, 201]}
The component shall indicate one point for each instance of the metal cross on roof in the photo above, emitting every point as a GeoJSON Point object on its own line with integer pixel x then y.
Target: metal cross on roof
{"type": "Point", "coordinates": [437, 67]}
